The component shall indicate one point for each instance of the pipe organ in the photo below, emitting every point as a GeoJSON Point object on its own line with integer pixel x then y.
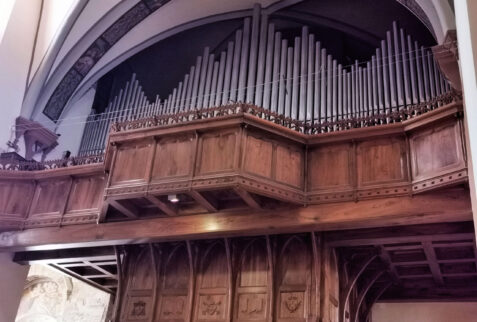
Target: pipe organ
{"type": "Point", "coordinates": [274, 183]}
{"type": "Point", "coordinates": [297, 78]}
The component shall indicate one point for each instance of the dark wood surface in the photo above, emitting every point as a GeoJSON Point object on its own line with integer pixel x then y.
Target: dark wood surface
{"type": "Point", "coordinates": [332, 275]}
{"type": "Point", "coordinates": [265, 278]}
{"type": "Point", "coordinates": [444, 206]}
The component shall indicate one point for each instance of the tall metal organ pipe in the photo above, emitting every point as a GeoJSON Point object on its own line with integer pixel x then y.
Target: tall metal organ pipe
{"type": "Point", "coordinates": [297, 78]}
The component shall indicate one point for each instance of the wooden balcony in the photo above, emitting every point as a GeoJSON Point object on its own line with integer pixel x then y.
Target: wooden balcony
{"type": "Point", "coordinates": [59, 196]}
{"type": "Point", "coordinates": [240, 160]}
{"type": "Point", "coordinates": [234, 160]}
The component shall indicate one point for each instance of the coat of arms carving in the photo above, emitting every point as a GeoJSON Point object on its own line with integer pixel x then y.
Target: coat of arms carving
{"type": "Point", "coordinates": [292, 303]}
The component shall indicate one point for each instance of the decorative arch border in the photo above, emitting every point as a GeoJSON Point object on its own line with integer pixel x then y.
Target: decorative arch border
{"type": "Point", "coordinates": [67, 86]}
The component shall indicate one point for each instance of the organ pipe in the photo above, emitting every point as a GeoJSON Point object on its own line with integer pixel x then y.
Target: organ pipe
{"type": "Point", "coordinates": [295, 77]}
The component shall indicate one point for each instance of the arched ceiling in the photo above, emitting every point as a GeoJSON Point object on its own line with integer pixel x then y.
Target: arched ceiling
{"type": "Point", "coordinates": [130, 26]}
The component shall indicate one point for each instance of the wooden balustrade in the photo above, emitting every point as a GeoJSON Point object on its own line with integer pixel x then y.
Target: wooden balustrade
{"type": "Point", "coordinates": [56, 197]}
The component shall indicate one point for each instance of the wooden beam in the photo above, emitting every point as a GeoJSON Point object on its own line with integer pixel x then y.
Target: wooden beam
{"type": "Point", "coordinates": [81, 278]}
{"type": "Point", "coordinates": [105, 253]}
{"type": "Point", "coordinates": [444, 231]}
{"type": "Point", "coordinates": [432, 262]}
{"type": "Point", "coordinates": [425, 208]}
{"type": "Point", "coordinates": [443, 293]}
{"type": "Point", "coordinates": [209, 205]}
{"type": "Point", "coordinates": [249, 199]}
{"type": "Point", "coordinates": [104, 272]}
{"type": "Point", "coordinates": [126, 209]}
{"type": "Point", "coordinates": [168, 209]}
{"type": "Point", "coordinates": [384, 255]}
{"type": "Point", "coordinates": [103, 262]}
{"type": "Point", "coordinates": [441, 243]}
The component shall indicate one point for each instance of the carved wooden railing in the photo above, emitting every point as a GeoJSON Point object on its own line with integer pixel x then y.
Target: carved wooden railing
{"type": "Point", "coordinates": [19, 165]}
{"type": "Point", "coordinates": [234, 109]}
{"type": "Point", "coordinates": [299, 126]}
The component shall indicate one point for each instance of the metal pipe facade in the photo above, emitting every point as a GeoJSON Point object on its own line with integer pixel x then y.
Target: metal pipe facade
{"type": "Point", "coordinates": [296, 77]}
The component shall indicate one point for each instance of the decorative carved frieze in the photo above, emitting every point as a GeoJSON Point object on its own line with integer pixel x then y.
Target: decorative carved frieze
{"type": "Point", "coordinates": [379, 119]}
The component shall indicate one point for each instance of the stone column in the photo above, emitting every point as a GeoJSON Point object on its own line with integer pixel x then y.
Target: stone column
{"type": "Point", "coordinates": [466, 18]}
{"type": "Point", "coordinates": [12, 281]}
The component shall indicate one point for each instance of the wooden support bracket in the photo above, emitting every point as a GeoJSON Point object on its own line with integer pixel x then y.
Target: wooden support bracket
{"type": "Point", "coordinates": [168, 209]}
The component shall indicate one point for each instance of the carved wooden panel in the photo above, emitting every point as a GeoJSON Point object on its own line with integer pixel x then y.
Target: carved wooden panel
{"type": "Point", "coordinates": [173, 157]}
{"type": "Point", "coordinates": [294, 281]}
{"type": "Point", "coordinates": [50, 197]}
{"type": "Point", "coordinates": [382, 161]}
{"type": "Point", "coordinates": [86, 194]}
{"type": "Point", "coordinates": [330, 167]}
{"type": "Point", "coordinates": [217, 152]}
{"type": "Point", "coordinates": [254, 283]}
{"type": "Point", "coordinates": [436, 150]}
{"type": "Point", "coordinates": [139, 298]}
{"type": "Point", "coordinates": [258, 156]}
{"type": "Point", "coordinates": [15, 197]}
{"type": "Point", "coordinates": [131, 163]}
{"type": "Point", "coordinates": [289, 165]}
{"type": "Point", "coordinates": [275, 278]}
{"type": "Point", "coordinates": [174, 303]}
{"type": "Point", "coordinates": [213, 285]}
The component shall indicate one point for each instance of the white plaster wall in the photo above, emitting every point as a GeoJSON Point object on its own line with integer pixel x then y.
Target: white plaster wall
{"type": "Point", "coordinates": [425, 312]}
{"type": "Point", "coordinates": [72, 125]}
{"type": "Point", "coordinates": [12, 280]}
{"type": "Point", "coordinates": [431, 12]}
{"type": "Point", "coordinates": [15, 56]}
{"type": "Point", "coordinates": [445, 14]}
{"type": "Point", "coordinates": [466, 17]}
{"type": "Point", "coordinates": [53, 14]}
{"type": "Point", "coordinates": [6, 7]}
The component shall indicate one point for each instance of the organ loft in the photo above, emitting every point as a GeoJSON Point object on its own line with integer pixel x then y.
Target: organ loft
{"type": "Point", "coordinates": [276, 161]}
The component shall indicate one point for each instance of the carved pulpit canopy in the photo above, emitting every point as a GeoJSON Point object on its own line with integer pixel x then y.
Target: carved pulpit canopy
{"type": "Point", "coordinates": [38, 139]}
